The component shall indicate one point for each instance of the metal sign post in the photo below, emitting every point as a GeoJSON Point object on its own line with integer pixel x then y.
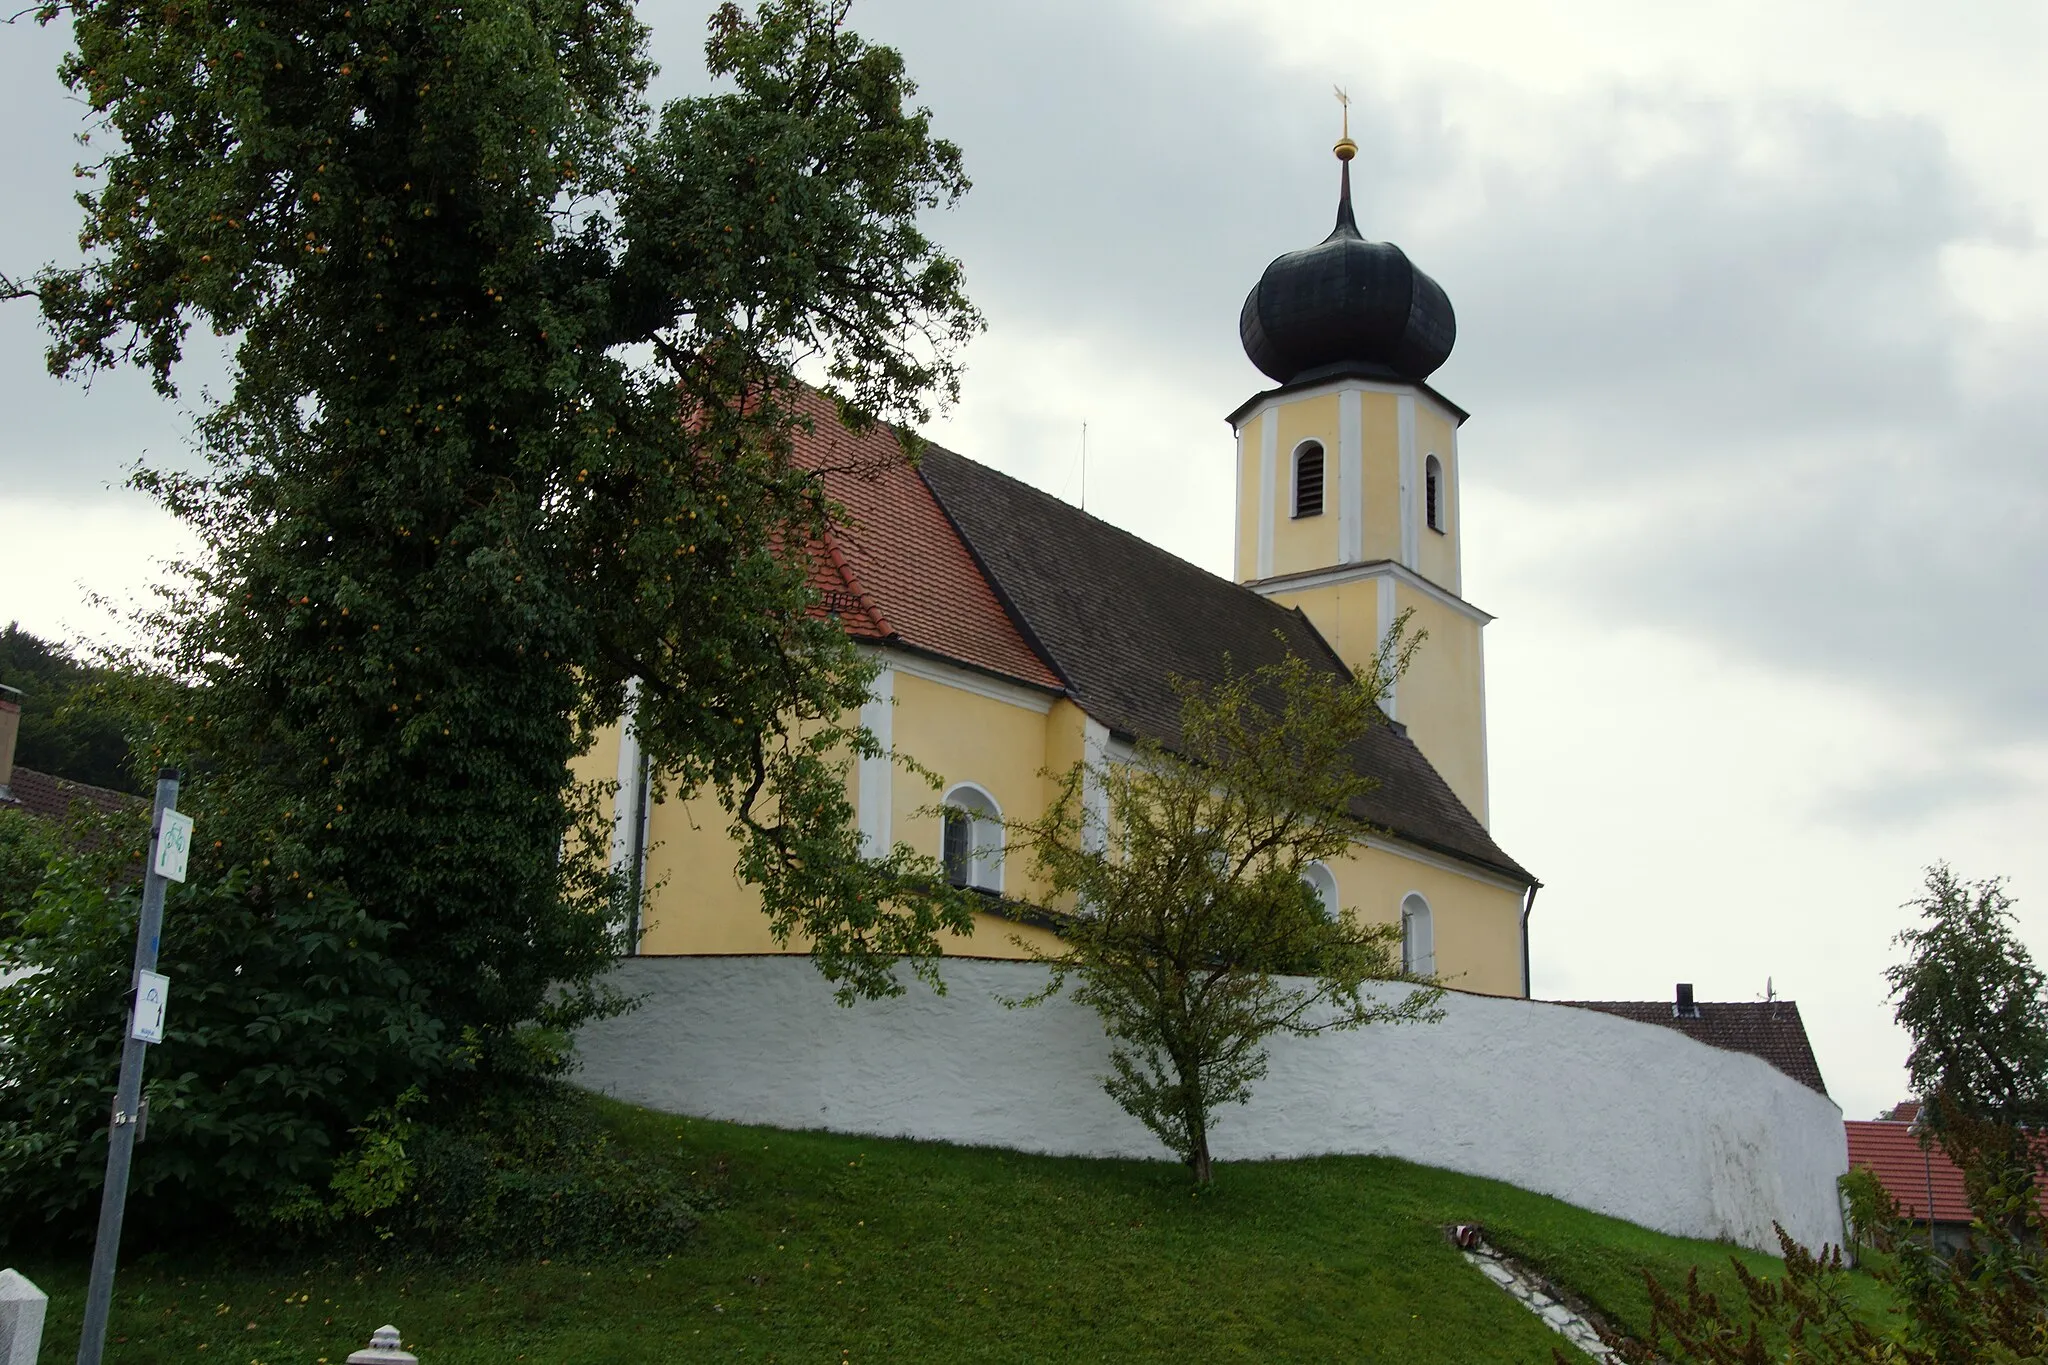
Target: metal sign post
{"type": "Point", "coordinates": [170, 842]}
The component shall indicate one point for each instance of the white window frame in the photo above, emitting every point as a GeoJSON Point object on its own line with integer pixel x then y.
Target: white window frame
{"type": "Point", "coordinates": [985, 834]}
{"type": "Point", "coordinates": [1418, 959]}
{"type": "Point", "coordinates": [1323, 882]}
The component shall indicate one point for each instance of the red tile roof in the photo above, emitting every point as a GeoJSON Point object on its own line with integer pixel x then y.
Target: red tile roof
{"type": "Point", "coordinates": [1909, 1172]}
{"type": "Point", "coordinates": [899, 572]}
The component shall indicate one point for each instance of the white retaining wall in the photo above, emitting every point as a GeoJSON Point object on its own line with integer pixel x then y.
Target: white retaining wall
{"type": "Point", "coordinates": [1623, 1118]}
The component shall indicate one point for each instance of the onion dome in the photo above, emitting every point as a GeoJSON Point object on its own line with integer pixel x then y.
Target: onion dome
{"type": "Point", "coordinates": [1346, 306]}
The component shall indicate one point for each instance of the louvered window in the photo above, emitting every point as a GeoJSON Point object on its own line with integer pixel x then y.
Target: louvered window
{"type": "Point", "coordinates": [1308, 480]}
{"type": "Point", "coordinates": [1433, 493]}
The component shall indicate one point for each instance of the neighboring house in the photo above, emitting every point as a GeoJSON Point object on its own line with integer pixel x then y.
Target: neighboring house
{"type": "Point", "coordinates": [1926, 1185]}
{"type": "Point", "coordinates": [1018, 635]}
{"type": "Point", "coordinates": [43, 796]}
{"type": "Point", "coordinates": [1769, 1029]}
{"type": "Point", "coordinates": [39, 794]}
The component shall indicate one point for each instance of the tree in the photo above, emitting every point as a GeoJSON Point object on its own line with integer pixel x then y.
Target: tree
{"type": "Point", "coordinates": [1974, 1004]}
{"type": "Point", "coordinates": [63, 731]}
{"type": "Point", "coordinates": [1976, 1007]}
{"type": "Point", "coordinates": [1193, 932]}
{"type": "Point", "coordinates": [507, 428]}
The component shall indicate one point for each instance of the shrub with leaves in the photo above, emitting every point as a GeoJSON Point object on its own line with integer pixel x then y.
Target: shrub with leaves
{"type": "Point", "coordinates": [532, 1173]}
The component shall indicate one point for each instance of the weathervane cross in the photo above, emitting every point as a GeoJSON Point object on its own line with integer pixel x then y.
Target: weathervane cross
{"type": "Point", "coordinates": [1345, 148]}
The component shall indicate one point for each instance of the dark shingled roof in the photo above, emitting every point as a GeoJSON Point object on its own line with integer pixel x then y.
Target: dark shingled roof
{"type": "Point", "coordinates": [57, 798]}
{"type": "Point", "coordinates": [1119, 618]}
{"type": "Point", "coordinates": [1771, 1030]}
{"type": "Point", "coordinates": [52, 797]}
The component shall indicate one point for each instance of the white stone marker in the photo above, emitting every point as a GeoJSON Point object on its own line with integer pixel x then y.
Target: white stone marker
{"type": "Point", "coordinates": [21, 1318]}
{"type": "Point", "coordinates": [384, 1350]}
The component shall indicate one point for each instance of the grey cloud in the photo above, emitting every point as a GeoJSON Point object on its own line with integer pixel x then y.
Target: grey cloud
{"type": "Point", "coordinates": [60, 439]}
{"type": "Point", "coordinates": [1709, 309]}
{"type": "Point", "coordinates": [1762, 312]}
{"type": "Point", "coordinates": [1902, 800]}
{"type": "Point", "coordinates": [1772, 328]}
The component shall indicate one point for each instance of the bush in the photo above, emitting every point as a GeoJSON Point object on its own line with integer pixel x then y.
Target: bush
{"type": "Point", "coordinates": [1874, 1217]}
{"type": "Point", "coordinates": [287, 1022]}
{"type": "Point", "coordinates": [528, 1171]}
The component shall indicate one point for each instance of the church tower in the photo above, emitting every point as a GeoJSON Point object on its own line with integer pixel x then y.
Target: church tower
{"type": "Point", "coordinates": [1347, 476]}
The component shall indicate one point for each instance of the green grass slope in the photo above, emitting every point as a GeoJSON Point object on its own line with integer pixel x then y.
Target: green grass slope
{"type": "Point", "coordinates": [827, 1248]}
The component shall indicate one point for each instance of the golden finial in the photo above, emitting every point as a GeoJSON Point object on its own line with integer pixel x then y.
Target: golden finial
{"type": "Point", "coordinates": [1345, 148]}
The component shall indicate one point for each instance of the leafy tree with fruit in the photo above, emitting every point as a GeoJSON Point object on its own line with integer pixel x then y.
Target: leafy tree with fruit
{"type": "Point", "coordinates": [508, 425]}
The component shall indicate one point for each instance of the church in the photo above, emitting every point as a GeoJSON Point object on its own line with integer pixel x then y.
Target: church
{"type": "Point", "coordinates": [1017, 635]}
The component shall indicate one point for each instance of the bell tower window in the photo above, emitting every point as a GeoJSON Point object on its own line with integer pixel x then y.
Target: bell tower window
{"type": "Point", "coordinates": [1308, 479]}
{"type": "Point", "coordinates": [1433, 494]}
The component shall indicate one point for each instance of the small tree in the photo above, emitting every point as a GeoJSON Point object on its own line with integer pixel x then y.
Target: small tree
{"type": "Point", "coordinates": [1195, 935]}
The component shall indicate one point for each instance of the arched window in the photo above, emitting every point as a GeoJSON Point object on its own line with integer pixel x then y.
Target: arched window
{"type": "Point", "coordinates": [973, 838]}
{"type": "Point", "coordinates": [1308, 479]}
{"type": "Point", "coordinates": [1433, 493]}
{"type": "Point", "coordinates": [1324, 884]}
{"type": "Point", "coordinates": [1418, 937]}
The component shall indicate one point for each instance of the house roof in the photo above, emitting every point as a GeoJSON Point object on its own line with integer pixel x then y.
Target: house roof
{"type": "Point", "coordinates": [1771, 1030]}
{"type": "Point", "coordinates": [55, 798]}
{"type": "Point", "coordinates": [950, 558]}
{"type": "Point", "coordinates": [1909, 1172]}
{"type": "Point", "coordinates": [898, 572]}
{"type": "Point", "coordinates": [1119, 619]}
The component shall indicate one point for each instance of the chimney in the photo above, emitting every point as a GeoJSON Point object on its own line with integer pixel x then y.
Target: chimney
{"type": "Point", "coordinates": [1685, 1008]}
{"type": "Point", "coordinates": [10, 727]}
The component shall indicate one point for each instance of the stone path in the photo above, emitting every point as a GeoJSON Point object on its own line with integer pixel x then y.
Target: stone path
{"type": "Point", "coordinates": [1534, 1297]}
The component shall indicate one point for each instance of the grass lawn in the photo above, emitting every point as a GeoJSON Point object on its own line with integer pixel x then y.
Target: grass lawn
{"type": "Point", "coordinates": [824, 1249]}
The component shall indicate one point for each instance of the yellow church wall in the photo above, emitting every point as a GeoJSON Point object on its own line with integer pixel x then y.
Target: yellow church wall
{"type": "Point", "coordinates": [1477, 924]}
{"type": "Point", "coordinates": [600, 762]}
{"type": "Point", "coordinates": [696, 901]}
{"type": "Point", "coordinates": [965, 737]}
{"type": "Point", "coordinates": [1436, 552]}
{"type": "Point", "coordinates": [1066, 729]}
{"type": "Point", "coordinates": [1440, 700]}
{"type": "Point", "coordinates": [1380, 432]}
{"type": "Point", "coordinates": [698, 904]}
{"type": "Point", "coordinates": [1301, 543]}
{"type": "Point", "coordinates": [1346, 614]}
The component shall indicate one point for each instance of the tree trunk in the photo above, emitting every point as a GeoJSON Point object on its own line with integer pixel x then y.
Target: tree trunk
{"type": "Point", "coordinates": [1198, 1149]}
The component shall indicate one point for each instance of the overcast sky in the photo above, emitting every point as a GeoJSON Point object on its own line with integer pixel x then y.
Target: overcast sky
{"type": "Point", "coordinates": [1753, 320]}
